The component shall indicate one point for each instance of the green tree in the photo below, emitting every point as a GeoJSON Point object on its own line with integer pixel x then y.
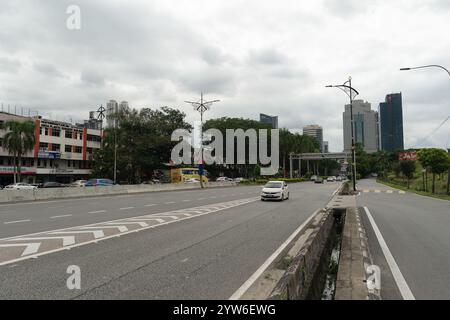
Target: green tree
{"type": "Point", "coordinates": [19, 140]}
{"type": "Point", "coordinates": [437, 160]}
{"type": "Point", "coordinates": [408, 168]}
{"type": "Point", "coordinates": [143, 143]}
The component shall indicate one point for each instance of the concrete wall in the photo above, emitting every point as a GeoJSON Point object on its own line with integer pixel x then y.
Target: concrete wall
{"type": "Point", "coordinates": [63, 193]}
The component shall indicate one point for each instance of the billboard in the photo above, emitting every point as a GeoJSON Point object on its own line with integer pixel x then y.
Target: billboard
{"type": "Point", "coordinates": [403, 156]}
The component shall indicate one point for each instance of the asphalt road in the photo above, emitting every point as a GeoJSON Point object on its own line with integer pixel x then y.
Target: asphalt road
{"type": "Point", "coordinates": [416, 232]}
{"type": "Point", "coordinates": [204, 257]}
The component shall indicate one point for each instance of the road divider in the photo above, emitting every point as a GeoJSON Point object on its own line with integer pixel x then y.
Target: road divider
{"type": "Point", "coordinates": [11, 196]}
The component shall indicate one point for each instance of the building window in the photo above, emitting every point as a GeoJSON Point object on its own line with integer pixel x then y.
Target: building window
{"type": "Point", "coordinates": [2, 124]}
{"type": "Point", "coordinates": [94, 138]}
{"type": "Point", "coordinates": [43, 146]}
{"type": "Point", "coordinates": [45, 163]}
{"type": "Point", "coordinates": [78, 149]}
{"type": "Point", "coordinates": [68, 148]}
{"type": "Point", "coordinates": [56, 147]}
{"type": "Point", "coordinates": [56, 132]}
{"type": "Point", "coordinates": [32, 163]}
{"type": "Point", "coordinates": [81, 135]}
{"type": "Point", "coordinates": [24, 162]}
{"type": "Point", "coordinates": [46, 131]}
{"type": "Point", "coordinates": [68, 134]}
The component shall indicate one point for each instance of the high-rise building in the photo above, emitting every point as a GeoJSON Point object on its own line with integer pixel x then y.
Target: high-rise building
{"type": "Point", "coordinates": [315, 131]}
{"type": "Point", "coordinates": [365, 127]}
{"type": "Point", "coordinates": [391, 123]}
{"type": "Point", "coordinates": [112, 107]}
{"type": "Point", "coordinates": [273, 121]}
{"type": "Point", "coordinates": [326, 148]}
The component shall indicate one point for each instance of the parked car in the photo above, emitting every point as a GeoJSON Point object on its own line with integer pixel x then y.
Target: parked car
{"type": "Point", "coordinates": [313, 178]}
{"type": "Point", "coordinates": [275, 190]}
{"type": "Point", "coordinates": [339, 178]}
{"type": "Point", "coordinates": [193, 180]}
{"type": "Point", "coordinates": [222, 179]}
{"type": "Point", "coordinates": [331, 179]}
{"type": "Point", "coordinates": [239, 180]}
{"type": "Point", "coordinates": [78, 183]}
{"type": "Point", "coordinates": [318, 180]}
{"type": "Point", "coordinates": [100, 183]}
{"type": "Point", "coordinates": [53, 185]}
{"type": "Point", "coordinates": [20, 186]}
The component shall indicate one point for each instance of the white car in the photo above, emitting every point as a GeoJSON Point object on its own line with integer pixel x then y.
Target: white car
{"type": "Point", "coordinates": [275, 190]}
{"type": "Point", "coordinates": [20, 186]}
{"type": "Point", "coordinates": [331, 179]}
{"type": "Point", "coordinates": [193, 180]}
{"type": "Point", "coordinates": [222, 179]}
{"type": "Point", "coordinates": [313, 178]}
{"type": "Point", "coordinates": [78, 183]}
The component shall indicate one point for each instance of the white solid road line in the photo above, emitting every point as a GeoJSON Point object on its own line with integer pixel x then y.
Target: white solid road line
{"type": "Point", "coordinates": [63, 216]}
{"type": "Point", "coordinates": [18, 221]}
{"type": "Point", "coordinates": [247, 284]}
{"type": "Point", "coordinates": [99, 211]}
{"type": "Point", "coordinates": [127, 208]}
{"type": "Point", "coordinates": [395, 270]}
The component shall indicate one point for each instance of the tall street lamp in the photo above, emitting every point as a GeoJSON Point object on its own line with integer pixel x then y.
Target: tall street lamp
{"type": "Point", "coordinates": [445, 69]}
{"type": "Point", "coordinates": [352, 93]}
{"type": "Point", "coordinates": [201, 107]}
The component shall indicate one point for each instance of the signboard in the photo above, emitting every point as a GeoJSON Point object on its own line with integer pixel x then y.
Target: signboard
{"type": "Point", "coordinates": [403, 156]}
{"type": "Point", "coordinates": [49, 155]}
{"type": "Point", "coordinates": [23, 170]}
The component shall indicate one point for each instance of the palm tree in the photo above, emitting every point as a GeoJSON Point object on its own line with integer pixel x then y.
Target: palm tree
{"type": "Point", "coordinates": [19, 140]}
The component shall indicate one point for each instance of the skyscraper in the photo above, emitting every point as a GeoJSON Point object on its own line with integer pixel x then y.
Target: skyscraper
{"type": "Point", "coordinates": [112, 107]}
{"type": "Point", "coordinates": [365, 126]}
{"type": "Point", "coordinates": [315, 131]}
{"type": "Point", "coordinates": [273, 121]}
{"type": "Point", "coordinates": [391, 123]}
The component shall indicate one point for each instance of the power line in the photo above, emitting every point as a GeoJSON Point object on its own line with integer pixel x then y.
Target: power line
{"type": "Point", "coordinates": [433, 132]}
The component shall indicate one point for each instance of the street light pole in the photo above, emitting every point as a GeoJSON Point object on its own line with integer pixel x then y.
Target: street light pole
{"type": "Point", "coordinates": [352, 93]}
{"type": "Point", "coordinates": [445, 69]}
{"type": "Point", "coordinates": [201, 107]}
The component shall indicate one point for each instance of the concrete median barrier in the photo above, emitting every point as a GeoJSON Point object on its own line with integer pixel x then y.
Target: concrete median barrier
{"type": "Point", "coordinates": [11, 196]}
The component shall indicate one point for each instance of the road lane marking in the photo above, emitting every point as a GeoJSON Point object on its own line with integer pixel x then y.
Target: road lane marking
{"type": "Point", "coordinates": [127, 208]}
{"type": "Point", "coordinates": [96, 233]}
{"type": "Point", "coordinates": [63, 216]}
{"type": "Point", "coordinates": [395, 270]}
{"type": "Point", "coordinates": [120, 225]}
{"type": "Point", "coordinates": [30, 247]}
{"type": "Point", "coordinates": [17, 221]}
{"type": "Point", "coordinates": [99, 211]}
{"type": "Point", "coordinates": [150, 205]}
{"type": "Point", "coordinates": [187, 200]}
{"type": "Point", "coordinates": [247, 284]}
{"type": "Point", "coordinates": [170, 202]}
{"type": "Point", "coordinates": [67, 240]}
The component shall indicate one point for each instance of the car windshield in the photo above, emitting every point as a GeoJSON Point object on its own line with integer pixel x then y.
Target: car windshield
{"type": "Point", "coordinates": [273, 185]}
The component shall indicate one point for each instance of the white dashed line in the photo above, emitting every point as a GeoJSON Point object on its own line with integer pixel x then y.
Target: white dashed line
{"type": "Point", "coordinates": [171, 202]}
{"type": "Point", "coordinates": [150, 205]}
{"type": "Point", "coordinates": [18, 221]}
{"type": "Point", "coordinates": [187, 200]}
{"type": "Point", "coordinates": [63, 216]}
{"type": "Point", "coordinates": [99, 211]}
{"type": "Point", "coordinates": [127, 208]}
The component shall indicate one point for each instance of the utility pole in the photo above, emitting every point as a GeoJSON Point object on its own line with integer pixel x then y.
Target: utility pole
{"type": "Point", "coordinates": [201, 107]}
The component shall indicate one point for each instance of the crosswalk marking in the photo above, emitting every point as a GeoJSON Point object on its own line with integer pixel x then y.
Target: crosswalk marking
{"type": "Point", "coordinates": [41, 243]}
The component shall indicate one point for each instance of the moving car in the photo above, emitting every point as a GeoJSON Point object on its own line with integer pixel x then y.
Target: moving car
{"type": "Point", "coordinates": [20, 186]}
{"type": "Point", "coordinates": [53, 185]}
{"type": "Point", "coordinates": [318, 180]}
{"type": "Point", "coordinates": [99, 183]}
{"type": "Point", "coordinates": [275, 190]}
{"type": "Point", "coordinates": [78, 183]}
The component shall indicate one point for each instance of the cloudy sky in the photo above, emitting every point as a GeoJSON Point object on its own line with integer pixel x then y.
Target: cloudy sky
{"type": "Point", "coordinates": [273, 57]}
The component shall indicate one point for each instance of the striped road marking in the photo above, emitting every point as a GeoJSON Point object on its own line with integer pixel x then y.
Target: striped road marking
{"type": "Point", "coordinates": [24, 247]}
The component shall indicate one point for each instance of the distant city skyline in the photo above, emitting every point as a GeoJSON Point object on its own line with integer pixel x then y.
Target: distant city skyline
{"type": "Point", "coordinates": [163, 54]}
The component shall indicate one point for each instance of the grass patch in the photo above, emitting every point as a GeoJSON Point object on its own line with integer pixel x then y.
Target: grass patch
{"type": "Point", "coordinates": [420, 192]}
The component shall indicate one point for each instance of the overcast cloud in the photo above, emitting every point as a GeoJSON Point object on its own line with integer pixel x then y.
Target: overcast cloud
{"type": "Point", "coordinates": [273, 57]}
